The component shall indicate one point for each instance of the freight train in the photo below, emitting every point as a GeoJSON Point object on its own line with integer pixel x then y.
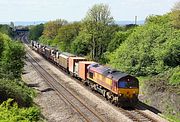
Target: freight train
{"type": "Point", "coordinates": [119, 88]}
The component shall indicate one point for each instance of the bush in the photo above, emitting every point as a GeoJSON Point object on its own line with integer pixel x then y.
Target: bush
{"type": "Point", "coordinates": [6, 29]}
{"type": "Point", "coordinates": [16, 90]}
{"type": "Point", "coordinates": [12, 59]}
{"type": "Point", "coordinates": [9, 112]}
{"type": "Point", "coordinates": [149, 50]}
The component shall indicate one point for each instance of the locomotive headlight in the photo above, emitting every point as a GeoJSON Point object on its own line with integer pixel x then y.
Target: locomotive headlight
{"type": "Point", "coordinates": [121, 95]}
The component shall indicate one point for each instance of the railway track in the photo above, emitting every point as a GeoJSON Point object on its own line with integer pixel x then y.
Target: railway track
{"type": "Point", "coordinates": [87, 113]}
{"type": "Point", "coordinates": [137, 116]}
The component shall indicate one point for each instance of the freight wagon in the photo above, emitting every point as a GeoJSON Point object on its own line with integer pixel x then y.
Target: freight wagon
{"type": "Point", "coordinates": [74, 65]}
{"type": "Point", "coordinates": [63, 60]}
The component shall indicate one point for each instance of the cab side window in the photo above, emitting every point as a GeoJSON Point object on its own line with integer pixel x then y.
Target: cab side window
{"type": "Point", "coordinates": [91, 75]}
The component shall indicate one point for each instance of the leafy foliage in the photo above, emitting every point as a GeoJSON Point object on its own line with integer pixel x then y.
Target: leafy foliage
{"type": "Point", "coordinates": [66, 35]}
{"type": "Point", "coordinates": [36, 31]}
{"type": "Point", "coordinates": [16, 90]}
{"type": "Point", "coordinates": [150, 49]}
{"type": "Point", "coordinates": [96, 25]}
{"type": "Point", "coordinates": [176, 15]}
{"type": "Point", "coordinates": [175, 76]}
{"type": "Point", "coordinates": [118, 38]}
{"type": "Point", "coordinates": [51, 28]}
{"type": "Point", "coordinates": [1, 45]}
{"type": "Point", "coordinates": [12, 59]}
{"type": "Point", "coordinates": [80, 45]}
{"type": "Point", "coordinates": [5, 29]}
{"type": "Point", "coordinates": [12, 54]}
{"type": "Point", "coordinates": [9, 112]}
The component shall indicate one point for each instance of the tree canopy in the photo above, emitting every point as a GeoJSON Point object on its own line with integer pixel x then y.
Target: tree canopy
{"type": "Point", "coordinates": [36, 32]}
{"type": "Point", "coordinates": [96, 26]}
{"type": "Point", "coordinates": [66, 35]}
{"type": "Point", "coordinates": [150, 49]}
{"type": "Point", "coordinates": [176, 15]}
{"type": "Point", "coordinates": [12, 58]}
{"type": "Point", "coordinates": [51, 28]}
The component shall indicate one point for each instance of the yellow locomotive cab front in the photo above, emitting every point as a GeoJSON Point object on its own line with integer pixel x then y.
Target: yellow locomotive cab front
{"type": "Point", "coordinates": [128, 93]}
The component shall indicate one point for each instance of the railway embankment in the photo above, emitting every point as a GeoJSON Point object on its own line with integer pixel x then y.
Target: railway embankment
{"type": "Point", "coordinates": [162, 96]}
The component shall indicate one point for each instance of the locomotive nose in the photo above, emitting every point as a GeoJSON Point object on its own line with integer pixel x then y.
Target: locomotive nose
{"type": "Point", "coordinates": [130, 93]}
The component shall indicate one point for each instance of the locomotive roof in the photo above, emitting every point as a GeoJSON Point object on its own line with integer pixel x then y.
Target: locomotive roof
{"type": "Point", "coordinates": [108, 72]}
{"type": "Point", "coordinates": [118, 75]}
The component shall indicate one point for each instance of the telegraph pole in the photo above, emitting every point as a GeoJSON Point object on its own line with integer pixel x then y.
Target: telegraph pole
{"type": "Point", "coordinates": [135, 21]}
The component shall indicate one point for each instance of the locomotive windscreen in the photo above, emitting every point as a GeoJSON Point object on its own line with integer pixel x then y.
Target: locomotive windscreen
{"type": "Point", "coordinates": [128, 83]}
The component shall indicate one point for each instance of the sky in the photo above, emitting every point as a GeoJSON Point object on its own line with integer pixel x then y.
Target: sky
{"type": "Point", "coordinates": [75, 10]}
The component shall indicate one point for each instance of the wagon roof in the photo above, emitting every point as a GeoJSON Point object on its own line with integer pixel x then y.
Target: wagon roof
{"type": "Point", "coordinates": [67, 54]}
{"type": "Point", "coordinates": [77, 58]}
{"type": "Point", "coordinates": [87, 62]}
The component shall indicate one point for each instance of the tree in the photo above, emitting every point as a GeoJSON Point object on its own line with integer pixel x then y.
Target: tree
{"type": "Point", "coordinates": [176, 15]}
{"type": "Point", "coordinates": [96, 24]}
{"type": "Point", "coordinates": [51, 28]}
{"type": "Point", "coordinates": [66, 35]}
{"type": "Point", "coordinates": [12, 61]}
{"type": "Point", "coordinates": [149, 49]}
{"type": "Point", "coordinates": [119, 37]}
{"type": "Point", "coordinates": [176, 6]}
{"type": "Point", "coordinates": [1, 45]}
{"type": "Point", "coordinates": [36, 31]}
{"type": "Point", "coordinates": [5, 29]}
{"type": "Point", "coordinates": [80, 45]}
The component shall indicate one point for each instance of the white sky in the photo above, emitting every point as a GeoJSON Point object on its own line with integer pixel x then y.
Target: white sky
{"type": "Point", "coordinates": [75, 10]}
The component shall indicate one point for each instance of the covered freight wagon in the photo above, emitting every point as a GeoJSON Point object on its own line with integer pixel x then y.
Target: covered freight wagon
{"type": "Point", "coordinates": [56, 59]}
{"type": "Point", "coordinates": [74, 64]}
{"type": "Point", "coordinates": [47, 52]}
{"type": "Point", "coordinates": [82, 69]}
{"type": "Point", "coordinates": [64, 60]}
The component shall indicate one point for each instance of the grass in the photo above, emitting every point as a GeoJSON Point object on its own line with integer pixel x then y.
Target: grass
{"type": "Point", "coordinates": [171, 118]}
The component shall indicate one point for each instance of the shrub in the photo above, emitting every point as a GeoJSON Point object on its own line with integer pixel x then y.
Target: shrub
{"type": "Point", "coordinates": [149, 50]}
{"type": "Point", "coordinates": [9, 112]}
{"type": "Point", "coordinates": [16, 90]}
